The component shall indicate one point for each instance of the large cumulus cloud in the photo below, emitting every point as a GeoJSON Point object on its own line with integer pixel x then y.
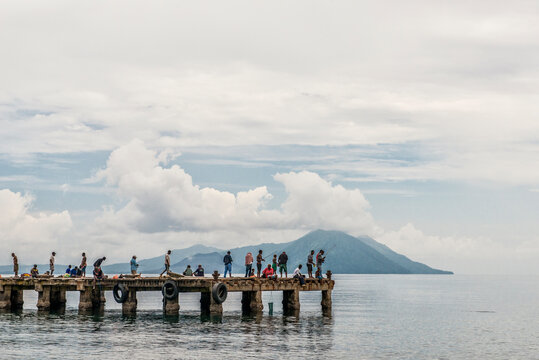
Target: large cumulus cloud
{"type": "Point", "coordinates": [30, 233]}
{"type": "Point", "coordinates": [160, 198]}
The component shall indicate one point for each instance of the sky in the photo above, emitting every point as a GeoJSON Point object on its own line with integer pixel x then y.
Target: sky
{"type": "Point", "coordinates": [134, 127]}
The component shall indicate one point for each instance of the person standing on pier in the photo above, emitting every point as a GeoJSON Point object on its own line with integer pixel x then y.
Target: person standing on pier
{"type": "Point", "coordinates": [248, 264]}
{"type": "Point", "coordinates": [15, 264]}
{"type": "Point", "coordinates": [283, 259]}
{"type": "Point", "coordinates": [167, 263]}
{"type": "Point", "coordinates": [259, 260]}
{"type": "Point", "coordinates": [228, 264]}
{"type": "Point", "coordinates": [320, 258]}
{"type": "Point", "coordinates": [274, 264]}
{"type": "Point", "coordinates": [83, 264]}
{"type": "Point", "coordinates": [310, 263]}
{"type": "Point", "coordinates": [97, 263]}
{"type": "Point", "coordinates": [134, 265]}
{"type": "Point", "coordinates": [51, 263]}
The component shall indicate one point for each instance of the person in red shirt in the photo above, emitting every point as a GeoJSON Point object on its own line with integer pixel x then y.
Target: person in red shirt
{"type": "Point", "coordinates": [268, 273]}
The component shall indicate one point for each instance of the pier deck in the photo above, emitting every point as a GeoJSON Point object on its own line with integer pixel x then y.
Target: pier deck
{"type": "Point", "coordinates": [51, 292]}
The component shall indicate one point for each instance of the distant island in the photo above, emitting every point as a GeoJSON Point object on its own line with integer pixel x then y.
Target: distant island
{"type": "Point", "coordinates": [345, 255]}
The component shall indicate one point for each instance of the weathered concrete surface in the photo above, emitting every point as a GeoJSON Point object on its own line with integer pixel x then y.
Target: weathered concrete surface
{"type": "Point", "coordinates": [171, 307]}
{"type": "Point", "coordinates": [251, 302]}
{"type": "Point", "coordinates": [208, 305]}
{"type": "Point", "coordinates": [129, 307]}
{"type": "Point", "coordinates": [291, 300]}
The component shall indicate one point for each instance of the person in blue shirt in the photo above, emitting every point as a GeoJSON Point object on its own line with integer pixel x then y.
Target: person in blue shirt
{"type": "Point", "coordinates": [74, 271]}
{"type": "Point", "coordinates": [68, 270]}
{"type": "Point", "coordinates": [134, 265]}
{"type": "Point", "coordinates": [199, 271]}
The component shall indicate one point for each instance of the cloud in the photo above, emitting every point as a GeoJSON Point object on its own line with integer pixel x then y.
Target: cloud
{"type": "Point", "coordinates": [460, 253]}
{"type": "Point", "coordinates": [27, 232]}
{"type": "Point", "coordinates": [162, 198]}
{"type": "Point", "coordinates": [459, 83]}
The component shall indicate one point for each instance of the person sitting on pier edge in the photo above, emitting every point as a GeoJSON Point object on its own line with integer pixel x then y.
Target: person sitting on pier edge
{"type": "Point", "coordinates": [310, 263]}
{"type": "Point", "coordinates": [199, 271]}
{"type": "Point", "coordinates": [68, 270]}
{"type": "Point", "coordinates": [34, 272]}
{"type": "Point", "coordinates": [83, 264]}
{"type": "Point", "coordinates": [134, 265]}
{"type": "Point", "coordinates": [51, 263]}
{"type": "Point", "coordinates": [167, 263]}
{"type": "Point", "coordinates": [228, 264]}
{"type": "Point", "coordinates": [74, 272]}
{"type": "Point", "coordinates": [248, 264]}
{"type": "Point", "coordinates": [252, 273]}
{"type": "Point", "coordinates": [274, 263]}
{"type": "Point", "coordinates": [259, 260]}
{"type": "Point", "coordinates": [283, 259]}
{"type": "Point", "coordinates": [318, 274]}
{"type": "Point", "coordinates": [268, 273]}
{"type": "Point", "coordinates": [15, 264]}
{"type": "Point", "coordinates": [297, 275]}
{"type": "Point", "coordinates": [188, 271]}
{"type": "Point", "coordinates": [79, 272]}
{"type": "Point", "coordinates": [320, 258]}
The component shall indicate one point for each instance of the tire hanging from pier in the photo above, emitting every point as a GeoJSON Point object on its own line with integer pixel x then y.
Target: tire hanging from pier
{"type": "Point", "coordinates": [219, 293]}
{"type": "Point", "coordinates": [120, 293]}
{"type": "Point", "coordinates": [170, 290]}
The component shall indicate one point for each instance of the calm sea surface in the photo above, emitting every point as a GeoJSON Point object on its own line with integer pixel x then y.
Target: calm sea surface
{"type": "Point", "coordinates": [374, 317]}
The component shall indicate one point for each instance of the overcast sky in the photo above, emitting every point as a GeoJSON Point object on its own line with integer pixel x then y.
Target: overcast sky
{"type": "Point", "coordinates": [134, 127]}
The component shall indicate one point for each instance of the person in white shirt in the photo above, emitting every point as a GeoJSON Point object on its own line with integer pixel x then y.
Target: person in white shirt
{"type": "Point", "coordinates": [297, 275]}
{"type": "Point", "coordinates": [51, 262]}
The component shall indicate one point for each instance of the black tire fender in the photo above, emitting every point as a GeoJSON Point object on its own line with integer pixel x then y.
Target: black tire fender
{"type": "Point", "coordinates": [219, 293]}
{"type": "Point", "coordinates": [120, 293]}
{"type": "Point", "coordinates": [170, 290]}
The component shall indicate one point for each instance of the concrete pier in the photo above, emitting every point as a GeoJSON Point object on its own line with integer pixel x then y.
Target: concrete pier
{"type": "Point", "coordinates": [129, 307]}
{"type": "Point", "coordinates": [208, 306]}
{"type": "Point", "coordinates": [251, 302]}
{"type": "Point", "coordinates": [171, 307]}
{"type": "Point", "coordinates": [52, 292]}
{"type": "Point", "coordinates": [291, 301]}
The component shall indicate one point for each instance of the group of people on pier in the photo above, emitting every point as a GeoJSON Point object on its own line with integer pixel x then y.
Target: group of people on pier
{"type": "Point", "coordinates": [269, 272]}
{"type": "Point", "coordinates": [280, 263]}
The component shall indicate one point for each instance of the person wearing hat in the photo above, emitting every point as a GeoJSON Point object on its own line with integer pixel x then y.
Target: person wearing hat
{"type": "Point", "coordinates": [134, 265]}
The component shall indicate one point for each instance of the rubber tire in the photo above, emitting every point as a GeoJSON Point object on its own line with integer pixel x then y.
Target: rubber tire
{"type": "Point", "coordinates": [120, 298]}
{"type": "Point", "coordinates": [219, 293]}
{"type": "Point", "coordinates": [167, 286]}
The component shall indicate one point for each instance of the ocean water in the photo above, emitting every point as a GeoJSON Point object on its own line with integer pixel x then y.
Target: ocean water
{"type": "Point", "coordinates": [373, 317]}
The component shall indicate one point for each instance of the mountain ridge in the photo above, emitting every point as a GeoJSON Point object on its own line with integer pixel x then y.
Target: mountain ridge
{"type": "Point", "coordinates": [346, 254]}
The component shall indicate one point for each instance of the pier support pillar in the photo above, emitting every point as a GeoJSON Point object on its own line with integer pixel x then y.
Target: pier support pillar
{"type": "Point", "coordinates": [291, 301]}
{"type": "Point", "coordinates": [91, 300]}
{"type": "Point", "coordinates": [17, 299]}
{"type": "Point", "coordinates": [57, 299]}
{"type": "Point", "coordinates": [5, 298]}
{"type": "Point", "coordinates": [326, 300]}
{"type": "Point", "coordinates": [171, 307]}
{"type": "Point", "coordinates": [251, 302]}
{"type": "Point", "coordinates": [43, 298]}
{"type": "Point", "coordinates": [129, 306]}
{"type": "Point", "coordinates": [208, 305]}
